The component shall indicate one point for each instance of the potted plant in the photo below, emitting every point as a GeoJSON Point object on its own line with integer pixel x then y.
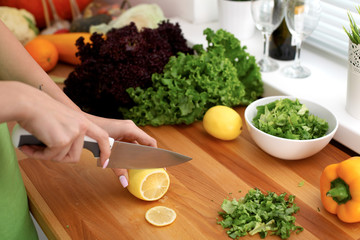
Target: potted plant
{"type": "Point", "coordinates": [235, 17]}
{"type": "Point", "coordinates": [353, 81]}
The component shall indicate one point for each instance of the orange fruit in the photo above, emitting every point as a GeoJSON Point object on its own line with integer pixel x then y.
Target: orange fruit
{"type": "Point", "coordinates": [44, 53]}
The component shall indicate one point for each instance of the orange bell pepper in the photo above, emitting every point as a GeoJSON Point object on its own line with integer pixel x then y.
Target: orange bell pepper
{"type": "Point", "coordinates": [340, 189]}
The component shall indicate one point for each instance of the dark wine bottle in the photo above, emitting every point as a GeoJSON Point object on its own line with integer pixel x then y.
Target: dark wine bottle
{"type": "Point", "coordinates": [280, 46]}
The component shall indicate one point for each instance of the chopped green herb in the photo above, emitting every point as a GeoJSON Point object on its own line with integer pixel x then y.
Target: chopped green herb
{"type": "Point", "coordinates": [301, 184]}
{"type": "Point", "coordinates": [318, 209]}
{"type": "Point", "coordinates": [67, 226]}
{"type": "Point", "coordinates": [289, 119]}
{"type": "Point", "coordinates": [259, 213]}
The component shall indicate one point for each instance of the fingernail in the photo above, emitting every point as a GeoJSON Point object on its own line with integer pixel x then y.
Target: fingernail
{"type": "Point", "coordinates": [105, 164]}
{"type": "Point", "coordinates": [123, 181]}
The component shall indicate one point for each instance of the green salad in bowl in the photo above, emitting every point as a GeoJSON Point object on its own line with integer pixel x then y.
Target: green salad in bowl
{"type": "Point", "coordinates": [290, 128]}
{"type": "Point", "coordinates": [290, 119]}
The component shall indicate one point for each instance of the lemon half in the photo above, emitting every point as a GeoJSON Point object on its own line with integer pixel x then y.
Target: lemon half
{"type": "Point", "coordinates": [160, 216]}
{"type": "Point", "coordinates": [148, 184]}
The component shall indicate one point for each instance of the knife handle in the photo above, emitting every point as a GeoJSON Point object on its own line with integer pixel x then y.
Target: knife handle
{"type": "Point", "coordinates": [21, 137]}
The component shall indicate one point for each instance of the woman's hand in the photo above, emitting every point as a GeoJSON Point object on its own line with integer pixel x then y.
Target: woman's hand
{"type": "Point", "coordinates": [59, 127]}
{"type": "Point", "coordinates": [127, 131]}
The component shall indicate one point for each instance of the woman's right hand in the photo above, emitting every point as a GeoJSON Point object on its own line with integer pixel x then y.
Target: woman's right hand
{"type": "Point", "coordinates": [59, 127]}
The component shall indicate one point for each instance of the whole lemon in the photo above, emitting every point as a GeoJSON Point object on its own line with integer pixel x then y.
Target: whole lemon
{"type": "Point", "coordinates": [148, 184]}
{"type": "Point", "coordinates": [222, 122]}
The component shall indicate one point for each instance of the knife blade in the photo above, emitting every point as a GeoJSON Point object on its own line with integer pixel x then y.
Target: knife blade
{"type": "Point", "coordinates": [123, 154]}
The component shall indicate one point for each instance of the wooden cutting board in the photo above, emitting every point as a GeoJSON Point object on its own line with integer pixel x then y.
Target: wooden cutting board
{"type": "Point", "coordinates": [82, 201]}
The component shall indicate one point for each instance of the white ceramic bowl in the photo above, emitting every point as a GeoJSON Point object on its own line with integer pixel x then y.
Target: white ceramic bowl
{"type": "Point", "coordinates": [289, 149]}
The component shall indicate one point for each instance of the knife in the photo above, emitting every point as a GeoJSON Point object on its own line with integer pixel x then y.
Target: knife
{"type": "Point", "coordinates": [123, 154]}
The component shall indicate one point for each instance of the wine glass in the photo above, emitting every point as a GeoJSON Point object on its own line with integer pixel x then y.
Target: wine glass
{"type": "Point", "coordinates": [302, 17]}
{"type": "Point", "coordinates": [267, 15]}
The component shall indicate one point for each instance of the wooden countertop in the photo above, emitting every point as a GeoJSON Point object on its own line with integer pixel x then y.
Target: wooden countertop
{"type": "Point", "coordinates": [82, 201]}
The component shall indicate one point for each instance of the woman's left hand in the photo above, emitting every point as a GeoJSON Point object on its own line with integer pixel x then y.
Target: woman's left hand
{"type": "Point", "coordinates": [126, 131]}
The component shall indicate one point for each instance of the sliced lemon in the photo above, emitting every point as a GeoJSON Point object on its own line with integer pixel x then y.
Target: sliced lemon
{"type": "Point", "coordinates": [148, 184]}
{"type": "Point", "coordinates": [160, 216]}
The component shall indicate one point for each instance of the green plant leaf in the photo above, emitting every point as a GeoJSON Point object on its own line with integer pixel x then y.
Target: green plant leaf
{"type": "Point", "coordinates": [354, 33]}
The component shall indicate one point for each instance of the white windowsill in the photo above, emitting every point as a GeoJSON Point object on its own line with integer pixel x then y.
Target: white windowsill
{"type": "Point", "coordinates": [326, 85]}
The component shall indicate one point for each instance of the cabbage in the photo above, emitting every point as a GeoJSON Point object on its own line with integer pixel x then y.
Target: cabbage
{"type": "Point", "coordinates": [143, 15]}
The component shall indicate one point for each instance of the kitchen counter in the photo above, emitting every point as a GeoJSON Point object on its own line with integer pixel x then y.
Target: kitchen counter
{"type": "Point", "coordinates": [82, 201]}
